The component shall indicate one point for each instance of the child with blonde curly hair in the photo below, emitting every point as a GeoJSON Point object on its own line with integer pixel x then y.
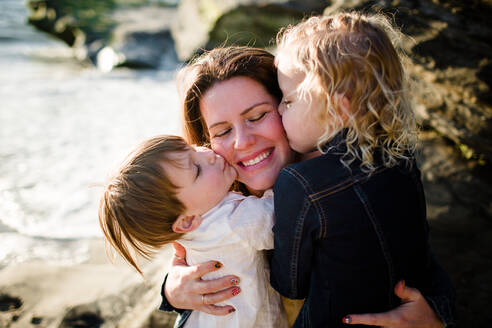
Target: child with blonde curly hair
{"type": "Point", "coordinates": [351, 219]}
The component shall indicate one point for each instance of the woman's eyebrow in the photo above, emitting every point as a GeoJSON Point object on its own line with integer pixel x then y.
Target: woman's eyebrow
{"type": "Point", "coordinates": [244, 112]}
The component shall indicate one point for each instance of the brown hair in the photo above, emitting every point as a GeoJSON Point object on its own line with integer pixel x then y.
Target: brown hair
{"type": "Point", "coordinates": [356, 56]}
{"type": "Point", "coordinates": [139, 204]}
{"type": "Point", "coordinates": [221, 64]}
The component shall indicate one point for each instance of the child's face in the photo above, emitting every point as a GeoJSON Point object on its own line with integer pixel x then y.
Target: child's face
{"type": "Point", "coordinates": [299, 116]}
{"type": "Point", "coordinates": [203, 178]}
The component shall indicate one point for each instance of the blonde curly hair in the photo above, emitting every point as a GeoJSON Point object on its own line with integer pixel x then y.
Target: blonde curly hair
{"type": "Point", "coordinates": [356, 56]}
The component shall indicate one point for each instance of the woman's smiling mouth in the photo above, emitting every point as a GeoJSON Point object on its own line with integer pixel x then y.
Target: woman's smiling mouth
{"type": "Point", "coordinates": [262, 156]}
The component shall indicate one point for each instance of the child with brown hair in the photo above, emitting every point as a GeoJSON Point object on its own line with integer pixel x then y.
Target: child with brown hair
{"type": "Point", "coordinates": [168, 191]}
{"type": "Point", "coordinates": [351, 219]}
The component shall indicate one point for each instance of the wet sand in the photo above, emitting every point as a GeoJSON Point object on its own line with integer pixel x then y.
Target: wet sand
{"type": "Point", "coordinates": [113, 292]}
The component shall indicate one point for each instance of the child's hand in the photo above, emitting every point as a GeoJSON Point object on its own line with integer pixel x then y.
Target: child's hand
{"type": "Point", "coordinates": [414, 312]}
{"type": "Point", "coordinates": [184, 288]}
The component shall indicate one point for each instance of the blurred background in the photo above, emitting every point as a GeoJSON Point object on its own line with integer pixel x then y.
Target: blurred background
{"type": "Point", "coordinates": [82, 81]}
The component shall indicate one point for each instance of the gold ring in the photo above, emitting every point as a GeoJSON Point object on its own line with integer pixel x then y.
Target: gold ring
{"type": "Point", "coordinates": [180, 257]}
{"type": "Point", "coordinates": [203, 299]}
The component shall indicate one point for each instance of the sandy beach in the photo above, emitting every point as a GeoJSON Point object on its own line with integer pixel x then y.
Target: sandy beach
{"type": "Point", "coordinates": [96, 289]}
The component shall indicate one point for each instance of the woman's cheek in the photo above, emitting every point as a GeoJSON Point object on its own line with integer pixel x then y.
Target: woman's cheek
{"type": "Point", "coordinates": [220, 147]}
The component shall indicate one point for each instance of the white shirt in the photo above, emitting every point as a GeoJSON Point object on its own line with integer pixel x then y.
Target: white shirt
{"type": "Point", "coordinates": [235, 232]}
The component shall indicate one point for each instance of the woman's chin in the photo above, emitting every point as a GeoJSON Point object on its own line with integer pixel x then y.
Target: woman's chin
{"type": "Point", "coordinates": [259, 184]}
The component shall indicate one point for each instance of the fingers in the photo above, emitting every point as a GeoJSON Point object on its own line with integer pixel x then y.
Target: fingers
{"type": "Point", "coordinates": [217, 310]}
{"type": "Point", "coordinates": [216, 285]}
{"type": "Point", "coordinates": [221, 296]}
{"type": "Point", "coordinates": [370, 319]}
{"type": "Point", "coordinates": [179, 257]}
{"type": "Point", "coordinates": [197, 271]}
{"type": "Point", "coordinates": [208, 301]}
{"type": "Point", "coordinates": [407, 294]}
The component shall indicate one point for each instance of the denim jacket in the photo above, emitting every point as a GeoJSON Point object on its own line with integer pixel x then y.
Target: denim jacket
{"type": "Point", "coordinates": [343, 239]}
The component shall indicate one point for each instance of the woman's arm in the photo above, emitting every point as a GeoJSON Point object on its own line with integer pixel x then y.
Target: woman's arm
{"type": "Point", "coordinates": [414, 312]}
{"type": "Point", "coordinates": [184, 288]}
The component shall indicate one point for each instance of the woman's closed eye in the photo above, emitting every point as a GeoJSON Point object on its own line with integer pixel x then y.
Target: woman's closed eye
{"type": "Point", "coordinates": [257, 117]}
{"type": "Point", "coordinates": [222, 133]}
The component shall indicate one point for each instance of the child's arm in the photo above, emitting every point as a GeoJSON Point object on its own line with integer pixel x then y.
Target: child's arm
{"type": "Point", "coordinates": [294, 231]}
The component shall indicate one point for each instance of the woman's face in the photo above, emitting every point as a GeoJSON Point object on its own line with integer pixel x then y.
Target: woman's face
{"type": "Point", "coordinates": [246, 129]}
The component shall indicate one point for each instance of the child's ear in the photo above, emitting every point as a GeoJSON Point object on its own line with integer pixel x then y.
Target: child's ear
{"type": "Point", "coordinates": [344, 106]}
{"type": "Point", "coordinates": [186, 223]}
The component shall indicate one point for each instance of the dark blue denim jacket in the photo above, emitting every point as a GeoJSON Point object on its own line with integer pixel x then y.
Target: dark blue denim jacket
{"type": "Point", "coordinates": [343, 239]}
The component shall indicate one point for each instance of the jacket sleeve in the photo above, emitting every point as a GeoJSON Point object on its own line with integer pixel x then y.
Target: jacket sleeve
{"type": "Point", "coordinates": [442, 296]}
{"type": "Point", "coordinates": [293, 238]}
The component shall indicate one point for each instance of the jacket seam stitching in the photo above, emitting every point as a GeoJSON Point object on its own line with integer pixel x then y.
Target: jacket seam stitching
{"type": "Point", "coordinates": [296, 246]}
{"type": "Point", "coordinates": [298, 228]}
{"type": "Point", "coordinates": [343, 185]}
{"type": "Point", "coordinates": [381, 238]}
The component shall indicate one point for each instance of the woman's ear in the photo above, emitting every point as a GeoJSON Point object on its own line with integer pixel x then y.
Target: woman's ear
{"type": "Point", "coordinates": [186, 223]}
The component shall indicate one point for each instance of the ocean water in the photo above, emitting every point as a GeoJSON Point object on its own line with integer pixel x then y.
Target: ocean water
{"type": "Point", "coordinates": [63, 126]}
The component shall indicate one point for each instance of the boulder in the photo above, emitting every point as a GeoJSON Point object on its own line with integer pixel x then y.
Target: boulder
{"type": "Point", "coordinates": [111, 32]}
{"type": "Point", "coordinates": [205, 24]}
{"type": "Point", "coordinates": [141, 38]}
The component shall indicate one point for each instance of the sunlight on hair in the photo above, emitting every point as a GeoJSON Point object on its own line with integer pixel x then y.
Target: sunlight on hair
{"type": "Point", "coordinates": [359, 57]}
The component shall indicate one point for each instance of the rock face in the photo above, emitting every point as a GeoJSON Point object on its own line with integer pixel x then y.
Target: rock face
{"type": "Point", "coordinates": [451, 58]}
{"type": "Point", "coordinates": [110, 32]}
{"type": "Point", "coordinates": [205, 24]}
{"type": "Point", "coordinates": [113, 32]}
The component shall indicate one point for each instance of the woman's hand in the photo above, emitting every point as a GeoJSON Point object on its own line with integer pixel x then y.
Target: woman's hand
{"type": "Point", "coordinates": [184, 288]}
{"type": "Point", "coordinates": [414, 312]}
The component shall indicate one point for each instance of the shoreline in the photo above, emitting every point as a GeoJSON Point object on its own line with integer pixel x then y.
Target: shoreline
{"type": "Point", "coordinates": [52, 294]}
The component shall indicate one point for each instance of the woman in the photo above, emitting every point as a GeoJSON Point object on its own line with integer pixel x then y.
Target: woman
{"type": "Point", "coordinates": [230, 98]}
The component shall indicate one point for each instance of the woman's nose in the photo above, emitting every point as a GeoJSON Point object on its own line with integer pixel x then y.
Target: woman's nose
{"type": "Point", "coordinates": [243, 139]}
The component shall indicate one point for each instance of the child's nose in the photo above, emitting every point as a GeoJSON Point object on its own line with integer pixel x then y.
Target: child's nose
{"type": "Point", "coordinates": [211, 157]}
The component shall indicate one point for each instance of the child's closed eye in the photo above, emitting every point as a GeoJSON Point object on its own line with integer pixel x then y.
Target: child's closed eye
{"type": "Point", "coordinates": [284, 105]}
{"type": "Point", "coordinates": [198, 170]}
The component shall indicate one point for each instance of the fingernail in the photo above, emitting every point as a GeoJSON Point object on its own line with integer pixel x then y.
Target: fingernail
{"type": "Point", "coordinates": [232, 310]}
{"type": "Point", "coordinates": [347, 319]}
{"type": "Point", "coordinates": [236, 291]}
{"type": "Point", "coordinates": [234, 282]}
{"type": "Point", "coordinates": [217, 265]}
